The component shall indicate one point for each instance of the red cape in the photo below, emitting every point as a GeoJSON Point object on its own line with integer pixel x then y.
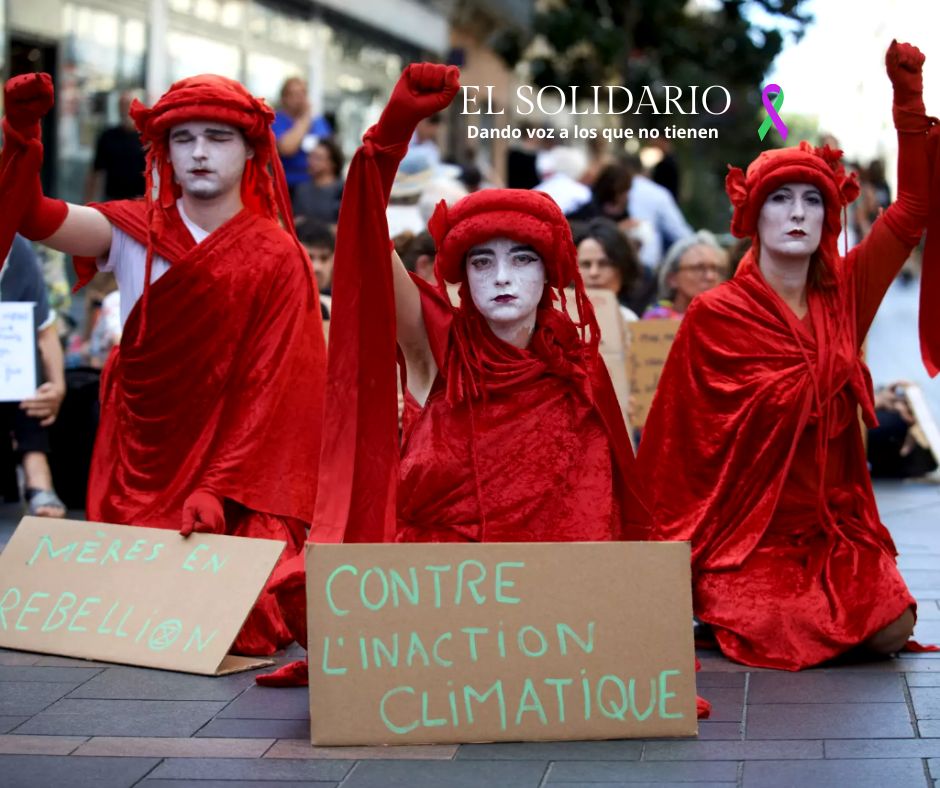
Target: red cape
{"type": "Point", "coordinates": [224, 390]}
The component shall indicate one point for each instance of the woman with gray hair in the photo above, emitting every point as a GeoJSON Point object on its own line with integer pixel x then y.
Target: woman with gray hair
{"type": "Point", "coordinates": [691, 266]}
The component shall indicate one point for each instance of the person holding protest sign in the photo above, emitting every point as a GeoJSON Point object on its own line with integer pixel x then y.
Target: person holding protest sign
{"type": "Point", "coordinates": [512, 431]}
{"type": "Point", "coordinates": [211, 406]}
{"type": "Point", "coordinates": [752, 449]}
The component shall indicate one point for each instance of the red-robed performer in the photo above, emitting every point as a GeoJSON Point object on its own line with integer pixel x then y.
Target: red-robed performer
{"type": "Point", "coordinates": [752, 449]}
{"type": "Point", "coordinates": [211, 408]}
{"type": "Point", "coordinates": [512, 429]}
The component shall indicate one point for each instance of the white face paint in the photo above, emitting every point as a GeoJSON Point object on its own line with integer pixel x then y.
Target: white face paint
{"type": "Point", "coordinates": [791, 220]}
{"type": "Point", "coordinates": [208, 158]}
{"type": "Point", "coordinates": [506, 280]}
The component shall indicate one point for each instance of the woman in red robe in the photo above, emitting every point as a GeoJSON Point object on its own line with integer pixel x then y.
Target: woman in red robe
{"type": "Point", "coordinates": [752, 449]}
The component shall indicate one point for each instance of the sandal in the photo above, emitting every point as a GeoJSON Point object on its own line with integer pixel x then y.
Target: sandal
{"type": "Point", "coordinates": [44, 499]}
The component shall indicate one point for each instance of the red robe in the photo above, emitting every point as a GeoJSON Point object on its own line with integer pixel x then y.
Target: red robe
{"type": "Point", "coordinates": [223, 391]}
{"type": "Point", "coordinates": [541, 458]}
{"type": "Point", "coordinates": [753, 451]}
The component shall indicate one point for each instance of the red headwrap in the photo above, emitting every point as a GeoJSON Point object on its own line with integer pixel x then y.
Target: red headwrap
{"type": "Point", "coordinates": [217, 98]}
{"type": "Point", "coordinates": [528, 217]}
{"type": "Point", "coordinates": [822, 167]}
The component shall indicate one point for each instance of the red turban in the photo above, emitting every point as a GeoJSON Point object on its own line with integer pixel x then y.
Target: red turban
{"type": "Point", "coordinates": [822, 167]}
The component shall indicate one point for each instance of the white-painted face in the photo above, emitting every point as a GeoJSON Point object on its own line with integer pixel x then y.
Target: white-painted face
{"type": "Point", "coordinates": [208, 158]}
{"type": "Point", "coordinates": [506, 280]}
{"type": "Point", "coordinates": [791, 220]}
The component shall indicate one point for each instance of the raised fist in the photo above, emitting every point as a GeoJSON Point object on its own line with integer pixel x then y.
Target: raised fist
{"type": "Point", "coordinates": [26, 99]}
{"type": "Point", "coordinates": [424, 89]}
{"type": "Point", "coordinates": [202, 513]}
{"type": "Point", "coordinates": [904, 64]}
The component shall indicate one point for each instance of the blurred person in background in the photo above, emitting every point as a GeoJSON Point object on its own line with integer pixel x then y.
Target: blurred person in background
{"type": "Point", "coordinates": [117, 172]}
{"type": "Point", "coordinates": [297, 131]}
{"type": "Point", "coordinates": [320, 242]}
{"type": "Point", "coordinates": [607, 261]}
{"type": "Point", "coordinates": [318, 199]}
{"type": "Point", "coordinates": [690, 267]}
{"type": "Point", "coordinates": [560, 170]}
{"type": "Point", "coordinates": [656, 208]}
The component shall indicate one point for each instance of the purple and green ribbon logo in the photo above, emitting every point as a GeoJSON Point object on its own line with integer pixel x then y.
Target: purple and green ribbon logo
{"type": "Point", "coordinates": [773, 112]}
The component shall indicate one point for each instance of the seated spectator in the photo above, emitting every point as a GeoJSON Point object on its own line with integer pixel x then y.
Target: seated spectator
{"type": "Point", "coordinates": [318, 198]}
{"type": "Point", "coordinates": [29, 420]}
{"type": "Point", "coordinates": [607, 261]}
{"type": "Point", "coordinates": [690, 267]}
{"type": "Point", "coordinates": [320, 243]}
{"type": "Point", "coordinates": [297, 131]}
{"type": "Point", "coordinates": [896, 448]}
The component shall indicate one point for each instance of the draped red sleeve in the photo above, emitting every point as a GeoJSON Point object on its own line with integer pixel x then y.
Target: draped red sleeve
{"type": "Point", "coordinates": [223, 390]}
{"type": "Point", "coordinates": [20, 161]}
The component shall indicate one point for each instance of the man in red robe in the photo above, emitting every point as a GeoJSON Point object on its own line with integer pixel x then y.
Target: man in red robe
{"type": "Point", "coordinates": [211, 407]}
{"type": "Point", "coordinates": [752, 449]}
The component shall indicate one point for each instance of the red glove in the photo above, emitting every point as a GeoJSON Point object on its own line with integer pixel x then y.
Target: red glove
{"type": "Point", "coordinates": [422, 90]}
{"type": "Point", "coordinates": [27, 98]}
{"type": "Point", "coordinates": [904, 64]}
{"type": "Point", "coordinates": [202, 512]}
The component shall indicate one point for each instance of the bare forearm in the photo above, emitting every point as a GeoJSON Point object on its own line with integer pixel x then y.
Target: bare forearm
{"type": "Point", "coordinates": [50, 354]}
{"type": "Point", "coordinates": [289, 143]}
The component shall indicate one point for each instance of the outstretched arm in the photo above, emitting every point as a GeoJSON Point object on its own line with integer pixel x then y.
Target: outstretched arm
{"type": "Point", "coordinates": [880, 256]}
{"type": "Point", "coordinates": [74, 229]}
{"type": "Point", "coordinates": [422, 90]}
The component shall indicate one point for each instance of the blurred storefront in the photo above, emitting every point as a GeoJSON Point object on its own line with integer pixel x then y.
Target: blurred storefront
{"type": "Point", "coordinates": [97, 49]}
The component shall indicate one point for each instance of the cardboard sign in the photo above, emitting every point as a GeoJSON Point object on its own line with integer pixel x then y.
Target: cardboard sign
{"type": "Point", "coordinates": [139, 596]}
{"type": "Point", "coordinates": [650, 341]}
{"type": "Point", "coordinates": [17, 352]}
{"type": "Point", "coordinates": [447, 643]}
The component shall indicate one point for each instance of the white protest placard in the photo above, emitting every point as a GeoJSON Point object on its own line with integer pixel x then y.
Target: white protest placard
{"type": "Point", "coordinates": [138, 596]}
{"type": "Point", "coordinates": [17, 351]}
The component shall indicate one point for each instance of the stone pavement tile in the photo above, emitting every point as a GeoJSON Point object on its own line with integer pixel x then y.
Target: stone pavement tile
{"type": "Point", "coordinates": [123, 683]}
{"type": "Point", "coordinates": [267, 703]}
{"type": "Point", "coordinates": [234, 784]}
{"type": "Point", "coordinates": [70, 717]}
{"type": "Point", "coordinates": [828, 721]}
{"type": "Point", "coordinates": [14, 658]}
{"type": "Point", "coordinates": [7, 724]}
{"type": "Point", "coordinates": [918, 561]}
{"type": "Point", "coordinates": [882, 748]}
{"type": "Point", "coordinates": [826, 687]}
{"type": "Point", "coordinates": [615, 750]}
{"type": "Point", "coordinates": [703, 679]}
{"type": "Point", "coordinates": [925, 579]}
{"type": "Point", "coordinates": [49, 661]}
{"type": "Point", "coordinates": [257, 729]}
{"type": "Point", "coordinates": [626, 772]}
{"type": "Point", "coordinates": [934, 765]}
{"type": "Point", "coordinates": [36, 673]}
{"type": "Point", "coordinates": [166, 747]}
{"type": "Point", "coordinates": [731, 750]}
{"type": "Point", "coordinates": [632, 784]}
{"type": "Point", "coordinates": [301, 748]}
{"type": "Point", "coordinates": [32, 771]}
{"type": "Point", "coordinates": [39, 745]}
{"type": "Point", "coordinates": [929, 728]}
{"type": "Point", "coordinates": [927, 632]}
{"type": "Point", "coordinates": [926, 702]}
{"type": "Point", "coordinates": [714, 662]}
{"type": "Point", "coordinates": [27, 697]}
{"type": "Point", "coordinates": [928, 609]}
{"type": "Point", "coordinates": [709, 730]}
{"type": "Point", "coordinates": [727, 703]}
{"type": "Point", "coordinates": [452, 774]}
{"type": "Point", "coordinates": [250, 769]}
{"type": "Point", "coordinates": [923, 679]}
{"type": "Point", "coordinates": [907, 772]}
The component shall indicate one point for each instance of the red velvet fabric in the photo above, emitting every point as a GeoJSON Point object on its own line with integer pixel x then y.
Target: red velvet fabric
{"type": "Point", "coordinates": [752, 451]}
{"type": "Point", "coordinates": [223, 392]}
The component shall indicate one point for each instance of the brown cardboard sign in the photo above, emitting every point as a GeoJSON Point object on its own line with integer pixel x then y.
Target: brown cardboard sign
{"type": "Point", "coordinates": [650, 342]}
{"type": "Point", "coordinates": [138, 596]}
{"type": "Point", "coordinates": [446, 643]}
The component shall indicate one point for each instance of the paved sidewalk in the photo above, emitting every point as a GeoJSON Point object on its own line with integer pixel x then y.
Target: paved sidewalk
{"type": "Point", "coordinates": [67, 722]}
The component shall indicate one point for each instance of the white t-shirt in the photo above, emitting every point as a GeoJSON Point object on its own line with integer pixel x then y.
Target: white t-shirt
{"type": "Point", "coordinates": [127, 260]}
